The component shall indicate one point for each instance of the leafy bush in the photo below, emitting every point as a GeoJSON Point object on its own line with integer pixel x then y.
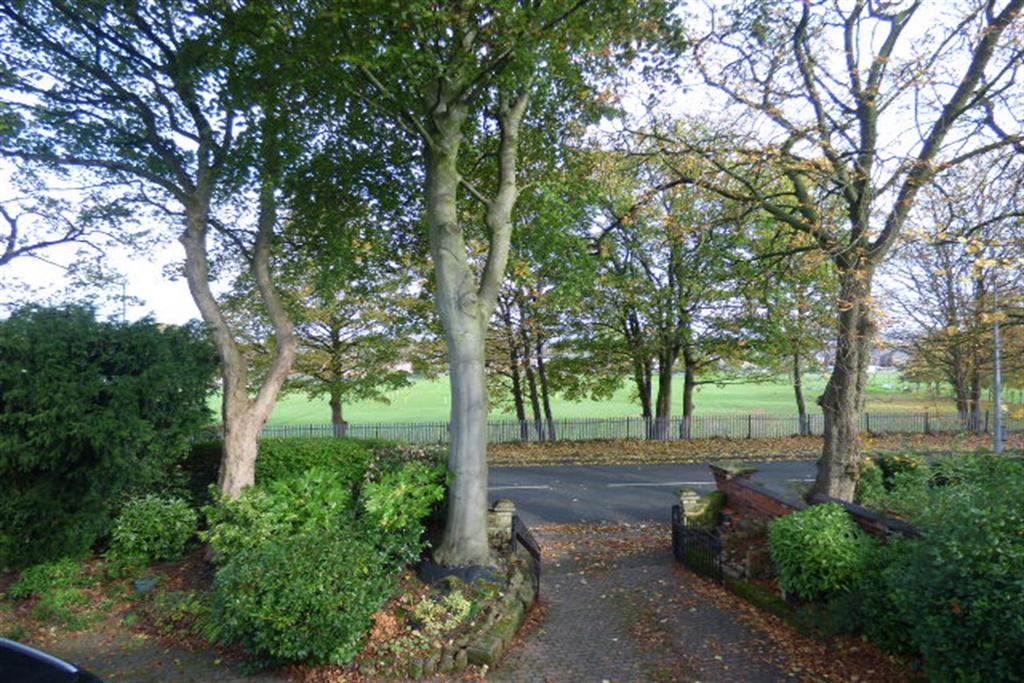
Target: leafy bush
{"type": "Point", "coordinates": [818, 552]}
{"type": "Point", "coordinates": [306, 558]}
{"type": "Point", "coordinates": [395, 506]}
{"type": "Point", "coordinates": [43, 578]}
{"type": "Point", "coordinates": [306, 597]}
{"type": "Point", "coordinates": [891, 465]}
{"type": "Point", "coordinates": [286, 458]}
{"type": "Point", "coordinates": [903, 492]}
{"type": "Point", "coordinates": [319, 499]}
{"type": "Point", "coordinates": [90, 412]}
{"type": "Point", "coordinates": [957, 595]}
{"type": "Point", "coordinates": [152, 528]}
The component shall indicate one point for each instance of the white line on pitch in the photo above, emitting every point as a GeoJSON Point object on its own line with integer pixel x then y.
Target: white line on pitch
{"type": "Point", "coordinates": [539, 487]}
{"type": "Point", "coordinates": [662, 483]}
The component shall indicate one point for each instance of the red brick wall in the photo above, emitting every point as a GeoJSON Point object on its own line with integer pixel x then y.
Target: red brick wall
{"type": "Point", "coordinates": [752, 501]}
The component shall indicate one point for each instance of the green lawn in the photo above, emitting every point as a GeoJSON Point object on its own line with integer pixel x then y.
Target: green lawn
{"type": "Point", "coordinates": [427, 401]}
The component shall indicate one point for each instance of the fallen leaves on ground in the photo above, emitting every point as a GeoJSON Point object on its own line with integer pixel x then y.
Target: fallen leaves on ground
{"type": "Point", "coordinates": [653, 611]}
{"type": "Point", "coordinates": [629, 452]}
{"type": "Point", "coordinates": [839, 658]}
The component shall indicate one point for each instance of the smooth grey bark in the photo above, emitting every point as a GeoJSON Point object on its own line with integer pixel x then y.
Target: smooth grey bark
{"type": "Point", "coordinates": [465, 308]}
{"type": "Point", "coordinates": [243, 416]}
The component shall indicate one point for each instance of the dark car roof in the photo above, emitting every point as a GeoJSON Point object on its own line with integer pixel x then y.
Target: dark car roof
{"type": "Point", "coordinates": [23, 664]}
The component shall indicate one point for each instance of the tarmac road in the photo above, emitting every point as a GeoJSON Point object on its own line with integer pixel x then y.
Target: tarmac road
{"type": "Point", "coordinates": [619, 493]}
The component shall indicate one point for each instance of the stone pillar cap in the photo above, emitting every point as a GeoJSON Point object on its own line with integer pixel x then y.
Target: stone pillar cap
{"type": "Point", "coordinates": [503, 505]}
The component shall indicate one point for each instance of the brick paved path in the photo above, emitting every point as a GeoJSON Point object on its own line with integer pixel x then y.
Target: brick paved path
{"type": "Point", "coordinates": [619, 609]}
{"type": "Point", "coordinates": [630, 617]}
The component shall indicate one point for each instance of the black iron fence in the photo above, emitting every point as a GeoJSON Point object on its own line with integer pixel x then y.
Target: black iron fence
{"type": "Point", "coordinates": [521, 537]}
{"type": "Point", "coordinates": [696, 547]}
{"type": "Point", "coordinates": [672, 429]}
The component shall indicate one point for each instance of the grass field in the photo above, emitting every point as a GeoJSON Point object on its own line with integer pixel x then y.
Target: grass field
{"type": "Point", "coordinates": [427, 401]}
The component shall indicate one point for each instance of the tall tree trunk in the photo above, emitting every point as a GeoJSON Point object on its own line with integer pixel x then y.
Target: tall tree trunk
{"type": "Point", "coordinates": [642, 376]}
{"type": "Point", "coordinates": [975, 399]}
{"type": "Point", "coordinates": [337, 417]}
{"type": "Point", "coordinates": [531, 383]}
{"type": "Point", "coordinates": [643, 373]}
{"type": "Point", "coordinates": [517, 392]}
{"type": "Point", "coordinates": [961, 396]}
{"type": "Point", "coordinates": [663, 404]}
{"type": "Point", "coordinates": [517, 377]}
{"type": "Point", "coordinates": [842, 401]}
{"type": "Point", "coordinates": [545, 391]}
{"type": "Point", "coordinates": [689, 384]}
{"type": "Point", "coordinates": [798, 390]}
{"type": "Point", "coordinates": [465, 534]}
{"type": "Point", "coordinates": [243, 415]}
{"type": "Point", "coordinates": [465, 308]}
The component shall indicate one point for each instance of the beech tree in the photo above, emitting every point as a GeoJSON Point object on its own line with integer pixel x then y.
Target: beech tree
{"type": "Point", "coordinates": [462, 80]}
{"type": "Point", "coordinates": [165, 100]}
{"type": "Point", "coordinates": [863, 103]}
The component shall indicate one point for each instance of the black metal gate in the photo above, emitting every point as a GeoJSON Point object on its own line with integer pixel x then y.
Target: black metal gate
{"type": "Point", "coordinates": [696, 547]}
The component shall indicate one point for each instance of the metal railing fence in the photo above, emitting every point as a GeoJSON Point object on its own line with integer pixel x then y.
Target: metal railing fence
{"type": "Point", "coordinates": [671, 429]}
{"type": "Point", "coordinates": [696, 547]}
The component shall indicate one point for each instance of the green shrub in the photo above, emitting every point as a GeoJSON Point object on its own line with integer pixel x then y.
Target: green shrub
{"type": "Point", "coordinates": [286, 458]}
{"type": "Point", "coordinates": [904, 494]}
{"type": "Point", "coordinates": [319, 499]}
{"type": "Point", "coordinates": [818, 552]}
{"type": "Point", "coordinates": [44, 578]}
{"type": "Point", "coordinates": [90, 412]}
{"type": "Point", "coordinates": [395, 506]}
{"type": "Point", "coordinates": [956, 596]}
{"type": "Point", "coordinates": [152, 528]}
{"type": "Point", "coordinates": [893, 464]}
{"type": "Point", "coordinates": [875, 606]}
{"type": "Point", "coordinates": [307, 597]}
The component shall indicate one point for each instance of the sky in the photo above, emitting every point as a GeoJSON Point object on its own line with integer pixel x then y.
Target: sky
{"type": "Point", "coordinates": [168, 301]}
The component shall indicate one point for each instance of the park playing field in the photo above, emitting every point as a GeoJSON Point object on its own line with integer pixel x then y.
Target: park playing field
{"type": "Point", "coordinates": [427, 401]}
